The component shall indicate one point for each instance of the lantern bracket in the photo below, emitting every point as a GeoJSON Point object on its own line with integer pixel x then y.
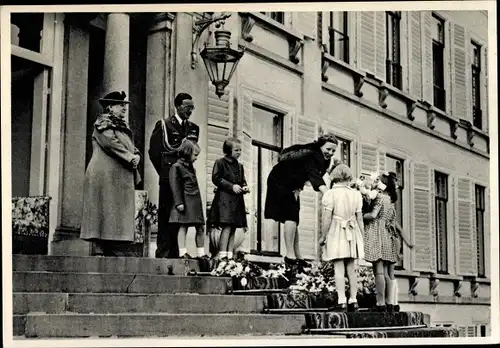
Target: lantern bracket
{"type": "Point", "coordinates": [199, 27]}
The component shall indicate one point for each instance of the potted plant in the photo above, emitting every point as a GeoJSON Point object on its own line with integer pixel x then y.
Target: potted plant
{"type": "Point", "coordinates": [30, 225]}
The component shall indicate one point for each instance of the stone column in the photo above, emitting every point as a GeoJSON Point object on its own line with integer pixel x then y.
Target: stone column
{"type": "Point", "coordinates": [158, 91]}
{"type": "Point", "coordinates": [116, 53]}
{"type": "Point", "coordinates": [66, 239]}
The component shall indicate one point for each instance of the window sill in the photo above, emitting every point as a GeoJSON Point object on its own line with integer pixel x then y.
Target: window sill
{"type": "Point", "coordinates": [295, 40]}
{"type": "Point", "coordinates": [480, 280]}
{"type": "Point", "coordinates": [406, 274]}
{"type": "Point", "coordinates": [273, 25]}
{"type": "Point", "coordinates": [446, 276]}
{"type": "Point", "coordinates": [265, 259]}
{"type": "Point", "coordinates": [331, 59]}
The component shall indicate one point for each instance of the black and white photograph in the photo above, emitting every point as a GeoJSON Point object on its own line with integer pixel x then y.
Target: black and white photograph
{"type": "Point", "coordinates": [299, 174]}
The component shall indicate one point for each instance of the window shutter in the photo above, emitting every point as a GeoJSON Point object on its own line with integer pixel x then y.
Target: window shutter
{"type": "Point", "coordinates": [219, 128]}
{"type": "Point", "coordinates": [305, 23]}
{"type": "Point", "coordinates": [464, 228]}
{"type": "Point", "coordinates": [245, 136]}
{"type": "Point", "coordinates": [459, 69]}
{"type": "Point", "coordinates": [369, 162]}
{"type": "Point", "coordinates": [381, 162]}
{"type": "Point", "coordinates": [427, 78]}
{"type": "Point", "coordinates": [415, 54]}
{"type": "Point", "coordinates": [424, 256]}
{"type": "Point", "coordinates": [306, 133]}
{"type": "Point", "coordinates": [367, 56]}
{"type": "Point", "coordinates": [380, 43]}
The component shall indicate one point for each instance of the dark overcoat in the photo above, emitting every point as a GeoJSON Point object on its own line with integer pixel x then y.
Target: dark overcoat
{"type": "Point", "coordinates": [228, 208]}
{"type": "Point", "coordinates": [298, 166]}
{"type": "Point", "coordinates": [109, 185]}
{"type": "Point", "coordinates": [185, 190]}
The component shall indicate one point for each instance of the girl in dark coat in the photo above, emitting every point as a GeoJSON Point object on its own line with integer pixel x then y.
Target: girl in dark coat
{"type": "Point", "coordinates": [187, 208]}
{"type": "Point", "coordinates": [228, 206]}
{"type": "Point", "coordinates": [296, 165]}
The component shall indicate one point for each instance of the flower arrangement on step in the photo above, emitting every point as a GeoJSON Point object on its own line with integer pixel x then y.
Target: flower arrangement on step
{"type": "Point", "coordinates": [30, 224]}
{"type": "Point", "coordinates": [30, 216]}
{"type": "Point", "coordinates": [242, 272]}
{"type": "Point", "coordinates": [318, 284]}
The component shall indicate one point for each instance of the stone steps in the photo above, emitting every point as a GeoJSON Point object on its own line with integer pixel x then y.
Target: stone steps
{"type": "Point", "coordinates": [160, 325]}
{"type": "Point", "coordinates": [400, 332]}
{"type": "Point", "coordinates": [93, 264]}
{"type": "Point", "coordinates": [335, 320]}
{"type": "Point", "coordinates": [57, 303]}
{"type": "Point", "coordinates": [60, 297]}
{"type": "Point", "coordinates": [71, 282]}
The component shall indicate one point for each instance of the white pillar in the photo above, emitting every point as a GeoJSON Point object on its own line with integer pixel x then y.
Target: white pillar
{"type": "Point", "coordinates": [116, 53]}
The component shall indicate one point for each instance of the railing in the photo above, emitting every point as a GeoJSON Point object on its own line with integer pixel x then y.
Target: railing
{"type": "Point", "coordinates": [340, 39]}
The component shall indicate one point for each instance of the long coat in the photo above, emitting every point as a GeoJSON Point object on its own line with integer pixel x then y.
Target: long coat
{"type": "Point", "coordinates": [109, 186]}
{"type": "Point", "coordinates": [228, 208]}
{"type": "Point", "coordinates": [185, 190]}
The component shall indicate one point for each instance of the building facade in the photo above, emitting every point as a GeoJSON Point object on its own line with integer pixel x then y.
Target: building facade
{"type": "Point", "coordinates": [404, 91]}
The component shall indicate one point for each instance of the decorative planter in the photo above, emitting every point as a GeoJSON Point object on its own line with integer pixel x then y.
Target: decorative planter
{"type": "Point", "coordinates": [30, 225]}
{"type": "Point", "coordinates": [290, 300]}
{"type": "Point", "coordinates": [254, 283]}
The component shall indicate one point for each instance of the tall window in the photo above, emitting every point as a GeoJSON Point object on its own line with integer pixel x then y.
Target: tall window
{"type": "Point", "coordinates": [267, 141]}
{"type": "Point", "coordinates": [438, 62]}
{"type": "Point", "coordinates": [277, 16]}
{"type": "Point", "coordinates": [441, 202]}
{"type": "Point", "coordinates": [477, 117]}
{"type": "Point", "coordinates": [338, 34]}
{"type": "Point", "coordinates": [393, 61]}
{"type": "Point", "coordinates": [480, 209]}
{"type": "Point", "coordinates": [31, 98]}
{"type": "Point", "coordinates": [396, 165]}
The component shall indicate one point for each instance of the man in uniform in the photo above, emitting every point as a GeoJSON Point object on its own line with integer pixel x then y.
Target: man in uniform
{"type": "Point", "coordinates": [165, 139]}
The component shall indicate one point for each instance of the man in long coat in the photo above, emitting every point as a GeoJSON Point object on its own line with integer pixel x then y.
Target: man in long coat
{"type": "Point", "coordinates": [165, 139]}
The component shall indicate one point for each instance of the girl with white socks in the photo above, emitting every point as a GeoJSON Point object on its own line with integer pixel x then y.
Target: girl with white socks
{"type": "Point", "coordinates": [380, 241]}
{"type": "Point", "coordinates": [342, 233]}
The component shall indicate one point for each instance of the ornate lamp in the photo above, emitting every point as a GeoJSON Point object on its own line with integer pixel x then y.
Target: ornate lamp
{"type": "Point", "coordinates": [220, 60]}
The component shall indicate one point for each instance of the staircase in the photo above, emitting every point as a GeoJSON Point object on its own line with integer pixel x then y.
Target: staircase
{"type": "Point", "coordinates": [62, 296]}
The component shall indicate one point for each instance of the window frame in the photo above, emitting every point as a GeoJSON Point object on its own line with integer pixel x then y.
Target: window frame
{"type": "Point", "coordinates": [333, 30]}
{"type": "Point", "coordinates": [439, 47]}
{"type": "Point", "coordinates": [257, 250]}
{"type": "Point", "coordinates": [480, 210]}
{"type": "Point", "coordinates": [272, 15]}
{"type": "Point", "coordinates": [477, 117]}
{"type": "Point", "coordinates": [393, 68]}
{"type": "Point", "coordinates": [442, 237]}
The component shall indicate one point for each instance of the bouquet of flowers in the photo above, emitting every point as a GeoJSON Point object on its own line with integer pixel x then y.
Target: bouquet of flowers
{"type": "Point", "coordinates": [30, 216]}
{"type": "Point", "coordinates": [243, 271]}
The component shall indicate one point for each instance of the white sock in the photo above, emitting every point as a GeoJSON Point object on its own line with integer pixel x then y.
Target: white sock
{"type": "Point", "coordinates": [395, 291]}
{"type": "Point", "coordinates": [229, 254]}
{"type": "Point", "coordinates": [200, 251]}
{"type": "Point", "coordinates": [182, 251]}
{"type": "Point", "coordinates": [390, 292]}
{"type": "Point", "coordinates": [223, 254]}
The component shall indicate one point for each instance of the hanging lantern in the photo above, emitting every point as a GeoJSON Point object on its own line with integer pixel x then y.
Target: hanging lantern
{"type": "Point", "coordinates": [221, 61]}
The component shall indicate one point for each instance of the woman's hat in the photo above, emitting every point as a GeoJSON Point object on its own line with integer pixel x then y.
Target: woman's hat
{"type": "Point", "coordinates": [114, 98]}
